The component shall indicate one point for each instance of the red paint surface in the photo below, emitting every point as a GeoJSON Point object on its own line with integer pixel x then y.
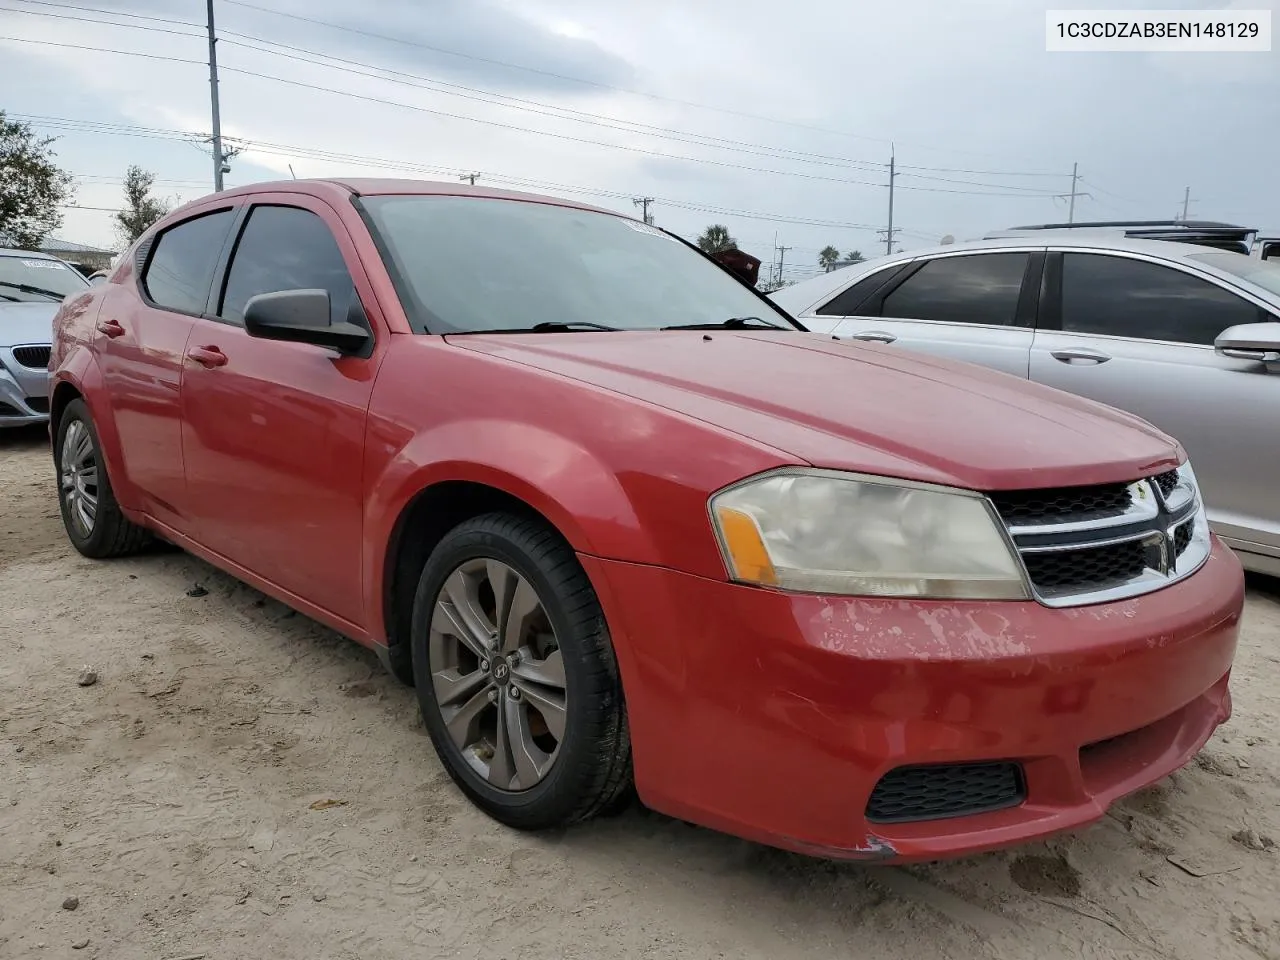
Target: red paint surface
{"type": "Point", "coordinates": [763, 714]}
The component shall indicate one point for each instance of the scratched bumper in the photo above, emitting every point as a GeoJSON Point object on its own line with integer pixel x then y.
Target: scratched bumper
{"type": "Point", "coordinates": [773, 716]}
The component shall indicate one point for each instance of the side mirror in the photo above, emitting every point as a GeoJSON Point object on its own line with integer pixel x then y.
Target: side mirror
{"type": "Point", "coordinates": [301, 316]}
{"type": "Point", "coordinates": [1250, 341]}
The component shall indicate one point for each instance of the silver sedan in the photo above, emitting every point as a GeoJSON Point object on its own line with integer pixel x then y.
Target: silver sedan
{"type": "Point", "coordinates": [32, 286]}
{"type": "Point", "coordinates": [1186, 337]}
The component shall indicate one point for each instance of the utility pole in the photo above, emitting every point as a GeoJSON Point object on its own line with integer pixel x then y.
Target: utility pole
{"type": "Point", "coordinates": [1071, 197]}
{"type": "Point", "coordinates": [644, 202]}
{"type": "Point", "coordinates": [1186, 202]}
{"type": "Point", "coordinates": [1075, 176]}
{"type": "Point", "coordinates": [218, 159]}
{"type": "Point", "coordinates": [893, 174]}
{"type": "Point", "coordinates": [782, 254]}
{"type": "Point", "coordinates": [470, 178]}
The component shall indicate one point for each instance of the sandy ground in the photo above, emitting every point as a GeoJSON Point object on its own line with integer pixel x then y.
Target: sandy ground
{"type": "Point", "coordinates": [177, 800]}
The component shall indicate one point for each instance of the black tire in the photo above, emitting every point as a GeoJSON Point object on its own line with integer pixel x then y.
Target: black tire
{"type": "Point", "coordinates": [111, 533]}
{"type": "Point", "coordinates": [591, 773]}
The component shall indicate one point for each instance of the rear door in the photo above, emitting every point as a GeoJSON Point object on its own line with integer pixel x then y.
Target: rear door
{"type": "Point", "coordinates": [141, 334]}
{"type": "Point", "coordinates": [977, 307]}
{"type": "Point", "coordinates": [1137, 333]}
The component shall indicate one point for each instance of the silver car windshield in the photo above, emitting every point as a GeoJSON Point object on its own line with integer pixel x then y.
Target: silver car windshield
{"type": "Point", "coordinates": [1261, 273]}
{"type": "Point", "coordinates": [470, 264]}
{"type": "Point", "coordinates": [37, 278]}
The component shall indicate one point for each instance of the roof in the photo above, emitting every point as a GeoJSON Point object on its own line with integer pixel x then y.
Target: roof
{"type": "Point", "coordinates": [66, 246]}
{"type": "Point", "coordinates": [374, 187]}
{"type": "Point", "coordinates": [803, 296]}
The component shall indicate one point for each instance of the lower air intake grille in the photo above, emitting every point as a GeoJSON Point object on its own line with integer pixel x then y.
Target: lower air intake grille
{"type": "Point", "coordinates": [1091, 567]}
{"type": "Point", "coordinates": [38, 404]}
{"type": "Point", "coordinates": [947, 790]}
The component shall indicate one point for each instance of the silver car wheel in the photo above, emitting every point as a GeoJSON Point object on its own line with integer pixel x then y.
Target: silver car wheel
{"type": "Point", "coordinates": [498, 674]}
{"type": "Point", "coordinates": [79, 477]}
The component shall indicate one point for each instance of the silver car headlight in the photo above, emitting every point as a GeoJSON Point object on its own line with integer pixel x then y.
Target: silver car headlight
{"type": "Point", "coordinates": [822, 531]}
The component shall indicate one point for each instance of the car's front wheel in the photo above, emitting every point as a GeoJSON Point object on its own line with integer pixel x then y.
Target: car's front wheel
{"type": "Point", "coordinates": [94, 522]}
{"type": "Point", "coordinates": [516, 674]}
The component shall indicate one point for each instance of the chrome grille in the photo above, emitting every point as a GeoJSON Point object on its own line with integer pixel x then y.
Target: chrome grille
{"type": "Point", "coordinates": [36, 357]}
{"type": "Point", "coordinates": [1092, 544]}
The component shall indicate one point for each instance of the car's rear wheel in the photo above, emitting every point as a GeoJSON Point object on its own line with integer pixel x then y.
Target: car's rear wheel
{"type": "Point", "coordinates": [516, 674]}
{"type": "Point", "coordinates": [92, 517]}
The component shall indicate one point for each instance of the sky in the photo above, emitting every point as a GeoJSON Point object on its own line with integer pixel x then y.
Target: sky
{"type": "Point", "coordinates": [776, 120]}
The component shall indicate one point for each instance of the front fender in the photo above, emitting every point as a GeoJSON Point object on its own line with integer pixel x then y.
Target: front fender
{"type": "Point", "coordinates": [561, 479]}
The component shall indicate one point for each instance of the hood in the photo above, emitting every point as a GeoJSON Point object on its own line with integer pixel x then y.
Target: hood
{"type": "Point", "coordinates": [27, 322]}
{"type": "Point", "coordinates": [859, 407]}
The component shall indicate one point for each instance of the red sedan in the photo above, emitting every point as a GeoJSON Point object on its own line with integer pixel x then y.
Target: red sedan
{"type": "Point", "coordinates": [621, 521]}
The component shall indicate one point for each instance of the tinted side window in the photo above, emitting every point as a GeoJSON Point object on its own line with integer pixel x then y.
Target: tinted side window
{"type": "Point", "coordinates": [982, 288]}
{"type": "Point", "coordinates": [286, 248]}
{"type": "Point", "coordinates": [1133, 298]}
{"type": "Point", "coordinates": [181, 266]}
{"type": "Point", "coordinates": [847, 303]}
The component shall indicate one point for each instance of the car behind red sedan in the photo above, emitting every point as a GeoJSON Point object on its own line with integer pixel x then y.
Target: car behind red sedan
{"type": "Point", "coordinates": [622, 521]}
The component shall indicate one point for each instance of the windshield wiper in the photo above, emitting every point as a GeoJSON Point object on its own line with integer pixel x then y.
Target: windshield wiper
{"type": "Point", "coordinates": [546, 326]}
{"type": "Point", "coordinates": [28, 288]}
{"type": "Point", "coordinates": [733, 323]}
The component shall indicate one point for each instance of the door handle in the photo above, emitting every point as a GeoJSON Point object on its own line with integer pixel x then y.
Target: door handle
{"type": "Point", "coordinates": [879, 336]}
{"type": "Point", "coordinates": [110, 328]}
{"type": "Point", "coordinates": [208, 356]}
{"type": "Point", "coordinates": [1081, 355]}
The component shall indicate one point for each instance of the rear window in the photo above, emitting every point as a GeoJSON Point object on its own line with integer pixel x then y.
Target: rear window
{"type": "Point", "coordinates": [469, 264]}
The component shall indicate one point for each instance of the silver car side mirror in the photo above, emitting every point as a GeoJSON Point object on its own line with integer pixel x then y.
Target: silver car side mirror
{"type": "Point", "coordinates": [1250, 341]}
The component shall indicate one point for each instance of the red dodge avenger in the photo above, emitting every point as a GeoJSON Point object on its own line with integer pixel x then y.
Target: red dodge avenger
{"type": "Point", "coordinates": [622, 523]}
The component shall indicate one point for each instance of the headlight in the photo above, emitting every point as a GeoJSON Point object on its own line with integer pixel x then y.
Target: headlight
{"type": "Point", "coordinates": [821, 531]}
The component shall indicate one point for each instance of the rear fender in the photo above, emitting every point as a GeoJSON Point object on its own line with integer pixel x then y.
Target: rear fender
{"type": "Point", "coordinates": [79, 371]}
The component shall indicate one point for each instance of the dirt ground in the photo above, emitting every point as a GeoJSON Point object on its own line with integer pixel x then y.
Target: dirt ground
{"type": "Point", "coordinates": [242, 783]}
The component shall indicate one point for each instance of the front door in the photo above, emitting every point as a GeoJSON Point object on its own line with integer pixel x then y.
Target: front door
{"type": "Point", "coordinates": [1138, 335]}
{"type": "Point", "coordinates": [274, 432]}
{"type": "Point", "coordinates": [139, 344]}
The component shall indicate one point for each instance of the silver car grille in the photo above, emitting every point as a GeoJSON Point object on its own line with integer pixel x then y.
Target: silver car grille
{"type": "Point", "coordinates": [34, 356]}
{"type": "Point", "coordinates": [1082, 545]}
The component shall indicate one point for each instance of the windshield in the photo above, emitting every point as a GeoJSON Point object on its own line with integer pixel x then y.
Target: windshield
{"type": "Point", "coordinates": [35, 278]}
{"type": "Point", "coordinates": [1261, 273]}
{"type": "Point", "coordinates": [470, 264]}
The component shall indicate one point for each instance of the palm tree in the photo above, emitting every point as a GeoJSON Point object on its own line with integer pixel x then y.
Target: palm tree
{"type": "Point", "coordinates": [716, 239]}
{"type": "Point", "coordinates": [827, 257]}
{"type": "Point", "coordinates": [854, 256]}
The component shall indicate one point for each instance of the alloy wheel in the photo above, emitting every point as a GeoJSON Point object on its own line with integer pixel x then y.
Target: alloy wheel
{"type": "Point", "coordinates": [78, 476]}
{"type": "Point", "coordinates": [498, 674]}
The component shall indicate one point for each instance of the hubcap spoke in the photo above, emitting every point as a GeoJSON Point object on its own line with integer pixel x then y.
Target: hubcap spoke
{"type": "Point", "coordinates": [462, 722]}
{"type": "Point", "coordinates": [524, 606]}
{"type": "Point", "coordinates": [531, 763]}
{"type": "Point", "coordinates": [501, 768]}
{"type": "Point", "coordinates": [462, 617]}
{"type": "Point", "coordinates": [549, 703]}
{"type": "Point", "coordinates": [89, 476]}
{"type": "Point", "coordinates": [452, 686]}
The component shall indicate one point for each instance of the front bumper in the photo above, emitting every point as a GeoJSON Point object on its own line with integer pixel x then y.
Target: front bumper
{"type": "Point", "coordinates": [773, 716]}
{"type": "Point", "coordinates": [24, 392]}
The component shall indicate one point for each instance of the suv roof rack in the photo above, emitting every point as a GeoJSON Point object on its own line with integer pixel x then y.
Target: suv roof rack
{"type": "Point", "coordinates": [1207, 233]}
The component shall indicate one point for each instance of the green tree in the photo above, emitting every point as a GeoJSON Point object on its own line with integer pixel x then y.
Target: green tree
{"type": "Point", "coordinates": [141, 209]}
{"type": "Point", "coordinates": [32, 187]}
{"type": "Point", "coordinates": [827, 257]}
{"type": "Point", "coordinates": [716, 239]}
{"type": "Point", "coordinates": [854, 256]}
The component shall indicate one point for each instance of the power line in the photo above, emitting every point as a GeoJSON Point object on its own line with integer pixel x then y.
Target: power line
{"type": "Point", "coordinates": [549, 110]}
{"type": "Point", "coordinates": [286, 150]}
